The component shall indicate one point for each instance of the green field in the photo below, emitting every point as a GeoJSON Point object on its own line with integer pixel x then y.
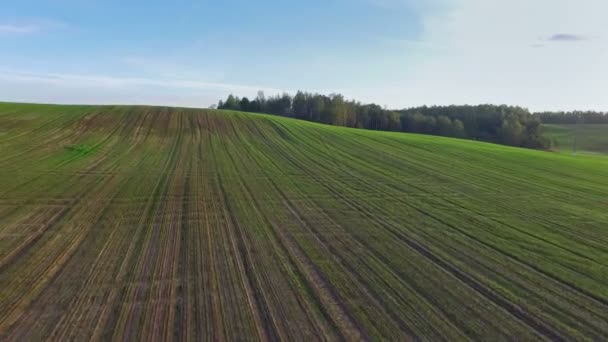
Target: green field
{"type": "Point", "coordinates": [590, 138]}
{"type": "Point", "coordinates": [144, 223]}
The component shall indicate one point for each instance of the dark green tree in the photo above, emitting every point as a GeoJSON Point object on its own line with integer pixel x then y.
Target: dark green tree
{"type": "Point", "coordinates": [299, 105]}
{"type": "Point", "coordinates": [444, 126]}
{"type": "Point", "coordinates": [232, 103]}
{"type": "Point", "coordinates": [244, 104]}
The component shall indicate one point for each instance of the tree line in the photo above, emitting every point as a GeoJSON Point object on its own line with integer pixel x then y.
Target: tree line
{"type": "Point", "coordinates": [576, 117]}
{"type": "Point", "coordinates": [507, 125]}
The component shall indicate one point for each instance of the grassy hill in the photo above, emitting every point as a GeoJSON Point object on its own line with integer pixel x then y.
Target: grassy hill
{"type": "Point", "coordinates": [149, 223]}
{"type": "Point", "coordinates": [592, 138]}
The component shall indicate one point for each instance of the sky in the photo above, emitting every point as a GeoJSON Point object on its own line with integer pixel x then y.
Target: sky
{"type": "Point", "coordinates": [540, 54]}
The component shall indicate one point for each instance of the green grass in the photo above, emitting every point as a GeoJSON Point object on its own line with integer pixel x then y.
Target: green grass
{"type": "Point", "coordinates": [148, 223]}
{"type": "Point", "coordinates": [592, 138]}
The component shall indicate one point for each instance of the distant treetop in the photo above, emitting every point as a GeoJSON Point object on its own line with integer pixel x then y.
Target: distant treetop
{"type": "Point", "coordinates": [573, 117]}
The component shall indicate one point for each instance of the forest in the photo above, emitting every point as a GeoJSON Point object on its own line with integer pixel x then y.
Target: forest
{"type": "Point", "coordinates": [507, 125]}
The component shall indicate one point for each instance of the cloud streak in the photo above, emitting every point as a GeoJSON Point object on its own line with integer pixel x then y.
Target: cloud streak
{"type": "Point", "coordinates": [17, 29]}
{"type": "Point", "coordinates": [567, 37]}
{"type": "Point", "coordinates": [412, 4]}
{"type": "Point", "coordinates": [27, 27]}
{"type": "Point", "coordinates": [114, 82]}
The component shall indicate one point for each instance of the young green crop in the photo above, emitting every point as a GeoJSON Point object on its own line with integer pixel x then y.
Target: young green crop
{"type": "Point", "coordinates": [151, 223]}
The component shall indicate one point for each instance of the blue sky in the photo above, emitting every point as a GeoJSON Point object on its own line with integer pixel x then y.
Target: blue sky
{"type": "Point", "coordinates": [542, 54]}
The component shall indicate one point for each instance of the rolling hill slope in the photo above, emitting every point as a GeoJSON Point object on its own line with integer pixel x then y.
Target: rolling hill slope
{"type": "Point", "coordinates": [152, 223]}
{"type": "Point", "coordinates": [587, 138]}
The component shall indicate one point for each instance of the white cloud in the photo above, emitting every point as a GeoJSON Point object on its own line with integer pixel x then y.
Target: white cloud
{"type": "Point", "coordinates": [488, 51]}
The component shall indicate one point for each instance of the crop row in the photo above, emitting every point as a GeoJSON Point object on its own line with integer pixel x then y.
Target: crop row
{"type": "Point", "coordinates": [152, 223]}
